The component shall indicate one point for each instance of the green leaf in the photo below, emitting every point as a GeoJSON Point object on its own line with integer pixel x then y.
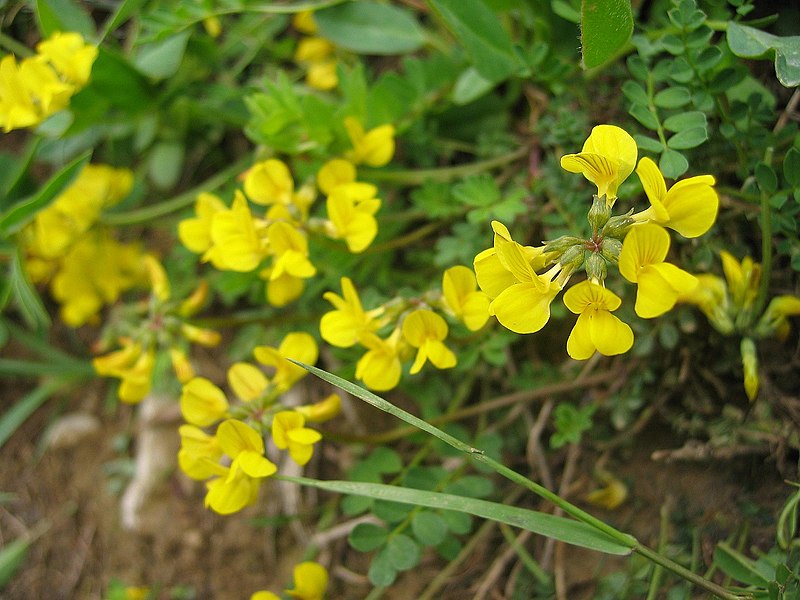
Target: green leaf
{"type": "Point", "coordinates": [687, 120]}
{"type": "Point", "coordinates": [385, 460]}
{"type": "Point", "coordinates": [370, 28]}
{"type": "Point", "coordinates": [766, 177]}
{"type": "Point", "coordinates": [165, 164]}
{"type": "Point", "coordinates": [635, 92]}
{"type": "Point", "coordinates": [688, 138]}
{"type": "Point", "coordinates": [63, 15]}
{"type": "Point", "coordinates": [121, 13]}
{"type": "Point", "coordinates": [23, 211]}
{"type": "Point", "coordinates": [748, 42]}
{"type": "Point", "coordinates": [488, 45]}
{"type": "Point", "coordinates": [24, 408]}
{"type": "Point", "coordinates": [27, 299]}
{"type": "Point", "coordinates": [391, 512]}
{"type": "Point", "coordinates": [737, 565]}
{"type": "Point", "coordinates": [673, 164]}
{"type": "Point", "coordinates": [403, 552]}
{"type": "Point", "coordinates": [429, 528]}
{"type": "Point", "coordinates": [470, 86]}
{"type": "Point", "coordinates": [473, 486]}
{"type": "Point", "coordinates": [367, 537]}
{"type": "Point", "coordinates": [648, 144]}
{"type": "Point", "coordinates": [381, 572]}
{"type": "Point", "coordinates": [674, 97]}
{"type": "Point", "coordinates": [606, 26]}
{"type": "Point", "coordinates": [644, 115]}
{"type": "Point", "coordinates": [115, 80]}
{"type": "Point", "coordinates": [457, 522]}
{"type": "Point", "coordinates": [162, 59]}
{"type": "Point", "coordinates": [11, 557]}
{"type": "Point", "coordinates": [791, 167]}
{"type": "Point", "coordinates": [559, 528]}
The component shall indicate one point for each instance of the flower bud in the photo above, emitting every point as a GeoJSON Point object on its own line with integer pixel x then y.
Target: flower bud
{"type": "Point", "coordinates": [194, 303]}
{"type": "Point", "coordinates": [572, 258]}
{"type": "Point", "coordinates": [321, 411]}
{"type": "Point", "coordinates": [750, 367]}
{"type": "Point", "coordinates": [617, 227]}
{"type": "Point", "coordinates": [560, 245]}
{"type": "Point", "coordinates": [198, 335]}
{"type": "Point", "coordinates": [595, 266]}
{"type": "Point", "coordinates": [599, 213]}
{"type": "Point", "coordinates": [610, 250]}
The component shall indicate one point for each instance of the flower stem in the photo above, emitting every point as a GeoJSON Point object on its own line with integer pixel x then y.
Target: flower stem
{"type": "Point", "coordinates": [766, 249]}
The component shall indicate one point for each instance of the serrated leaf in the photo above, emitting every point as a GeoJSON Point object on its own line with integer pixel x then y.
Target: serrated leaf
{"type": "Point", "coordinates": [429, 528]}
{"type": "Point", "coordinates": [748, 42]}
{"type": "Point", "coordinates": [688, 138]}
{"type": "Point", "coordinates": [487, 43]}
{"type": "Point", "coordinates": [687, 120]}
{"type": "Point", "coordinates": [606, 26]}
{"type": "Point", "coordinates": [370, 28]}
{"type": "Point", "coordinates": [162, 59]}
{"type": "Point", "coordinates": [367, 537]}
{"type": "Point", "coordinates": [403, 552]}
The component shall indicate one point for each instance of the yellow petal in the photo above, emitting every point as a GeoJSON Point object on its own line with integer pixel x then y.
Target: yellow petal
{"type": "Point", "coordinates": [659, 288]}
{"type": "Point", "coordinates": [692, 205]}
{"type": "Point", "coordinates": [609, 334]}
{"type": "Point", "coordinates": [644, 245]}
{"type": "Point", "coordinates": [491, 275]}
{"type": "Point", "coordinates": [579, 343]}
{"type": "Point", "coordinates": [524, 308]}
{"type": "Point", "coordinates": [247, 381]}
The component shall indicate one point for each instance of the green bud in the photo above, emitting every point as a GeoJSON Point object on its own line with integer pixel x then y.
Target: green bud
{"type": "Point", "coordinates": [572, 257]}
{"type": "Point", "coordinates": [599, 213]}
{"type": "Point", "coordinates": [560, 245]}
{"type": "Point", "coordinates": [617, 227]}
{"type": "Point", "coordinates": [595, 266]}
{"type": "Point", "coordinates": [750, 367]}
{"type": "Point", "coordinates": [611, 249]}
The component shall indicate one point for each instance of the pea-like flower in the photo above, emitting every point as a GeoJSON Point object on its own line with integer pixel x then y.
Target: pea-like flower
{"type": "Point", "coordinates": [374, 147]}
{"type": "Point", "coordinates": [346, 325]}
{"type": "Point", "coordinates": [351, 208]}
{"type": "Point", "coordinates": [596, 328]}
{"type": "Point", "coordinates": [288, 432]}
{"type": "Point", "coordinates": [202, 402]}
{"type": "Point", "coordinates": [269, 182]}
{"type": "Point", "coordinates": [607, 159]}
{"type": "Point", "coordinates": [426, 331]}
{"type": "Point", "coordinates": [297, 345]}
{"type": "Point", "coordinates": [380, 367]}
{"type": "Point", "coordinates": [689, 207]}
{"type": "Point", "coordinates": [310, 581]}
{"type": "Point", "coordinates": [660, 283]}
{"type": "Point", "coordinates": [461, 294]}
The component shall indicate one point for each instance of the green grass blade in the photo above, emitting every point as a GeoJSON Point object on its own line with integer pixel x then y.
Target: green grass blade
{"type": "Point", "coordinates": [24, 408]}
{"type": "Point", "coordinates": [559, 528]}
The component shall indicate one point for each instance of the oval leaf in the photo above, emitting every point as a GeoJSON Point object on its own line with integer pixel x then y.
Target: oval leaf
{"type": "Point", "coordinates": [369, 28]}
{"type": "Point", "coordinates": [606, 26]}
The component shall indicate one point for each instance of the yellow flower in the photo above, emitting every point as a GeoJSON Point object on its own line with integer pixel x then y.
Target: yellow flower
{"type": "Point", "coordinates": [711, 297]}
{"type": "Point", "coordinates": [181, 365]}
{"type": "Point", "coordinates": [689, 207]}
{"type": "Point", "coordinates": [290, 250]}
{"type": "Point", "coordinates": [159, 282]}
{"type": "Point", "coordinates": [133, 365]}
{"type": "Point", "coordinates": [29, 92]}
{"type": "Point", "coordinates": [774, 321]}
{"type": "Point", "coordinates": [238, 243]}
{"type": "Point", "coordinates": [304, 22]}
{"type": "Point", "coordinates": [247, 381]}
{"type": "Point", "coordinates": [69, 56]}
{"type": "Point", "coordinates": [380, 368]}
{"type": "Point", "coordinates": [322, 75]}
{"type": "Point", "coordinates": [195, 233]}
{"type": "Point", "coordinates": [322, 411]}
{"type": "Point", "coordinates": [202, 403]}
{"type": "Point", "coordinates": [310, 581]}
{"type": "Point", "coordinates": [238, 485]}
{"type": "Point", "coordinates": [374, 147]}
{"type": "Point", "coordinates": [345, 326]}
{"type": "Point", "coordinates": [264, 595]}
{"type": "Point", "coordinates": [296, 345]}
{"type": "Point", "coordinates": [351, 207]}
{"type": "Point", "coordinates": [334, 173]}
{"type": "Point", "coordinates": [641, 261]}
{"type": "Point", "coordinates": [269, 182]}
{"type": "Point", "coordinates": [283, 289]}
{"type": "Point", "coordinates": [743, 279]}
{"type": "Point", "coordinates": [313, 49]}
{"type": "Point", "coordinates": [461, 295]}
{"type": "Point", "coordinates": [199, 453]}
{"type": "Point", "coordinates": [521, 298]}
{"type": "Point", "coordinates": [288, 432]}
{"type": "Point", "coordinates": [750, 368]}
{"type": "Point", "coordinates": [425, 330]}
{"type": "Point", "coordinates": [596, 328]}
{"type": "Point", "coordinates": [607, 158]}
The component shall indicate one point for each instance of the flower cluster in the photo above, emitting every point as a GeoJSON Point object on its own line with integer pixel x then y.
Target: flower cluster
{"type": "Point", "coordinates": [148, 328]}
{"type": "Point", "coordinates": [232, 460]}
{"type": "Point", "coordinates": [84, 265]}
{"type": "Point", "coordinates": [275, 243]}
{"type": "Point", "coordinates": [41, 85]}
{"type": "Point", "coordinates": [522, 281]}
{"type": "Point", "coordinates": [310, 583]}
{"type": "Point", "coordinates": [315, 53]}
{"type": "Point", "coordinates": [732, 307]}
{"type": "Point", "coordinates": [400, 328]}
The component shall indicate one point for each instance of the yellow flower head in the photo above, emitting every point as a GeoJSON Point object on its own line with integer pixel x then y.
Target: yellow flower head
{"type": "Point", "coordinates": [425, 330]}
{"type": "Point", "coordinates": [313, 49]}
{"type": "Point", "coordinates": [264, 595]}
{"type": "Point", "coordinates": [351, 209]}
{"type": "Point", "coordinates": [596, 328]}
{"type": "Point", "coordinates": [380, 368]}
{"type": "Point", "coordinates": [743, 278]}
{"type": "Point", "coordinates": [345, 326]}
{"type": "Point", "coordinates": [297, 345]}
{"type": "Point", "coordinates": [288, 431]}
{"type": "Point", "coordinates": [310, 582]}
{"type": "Point", "coordinates": [239, 244]}
{"type": "Point", "coordinates": [607, 158]}
{"type": "Point", "coordinates": [247, 381]}
{"type": "Point", "coordinates": [133, 365]}
{"type": "Point", "coordinates": [232, 491]}
{"type": "Point", "coordinates": [521, 298]}
{"type": "Point", "coordinates": [246, 447]}
{"type": "Point", "coordinates": [199, 453]}
{"type": "Point", "coordinates": [322, 411]}
{"type": "Point", "coordinates": [30, 92]}
{"type": "Point", "coordinates": [374, 147]}
{"type": "Point", "coordinates": [304, 22]}
{"type": "Point", "coordinates": [269, 182]}
{"type": "Point", "coordinates": [711, 297]}
{"type": "Point", "coordinates": [289, 248]}
{"type": "Point", "coordinates": [69, 56]}
{"type": "Point", "coordinates": [462, 296]}
{"type": "Point", "coordinates": [322, 75]}
{"type": "Point", "coordinates": [334, 173]}
{"type": "Point", "coordinates": [689, 207]}
{"type": "Point", "coordinates": [195, 233]}
{"type": "Point", "coordinates": [202, 403]}
{"type": "Point", "coordinates": [641, 261]}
